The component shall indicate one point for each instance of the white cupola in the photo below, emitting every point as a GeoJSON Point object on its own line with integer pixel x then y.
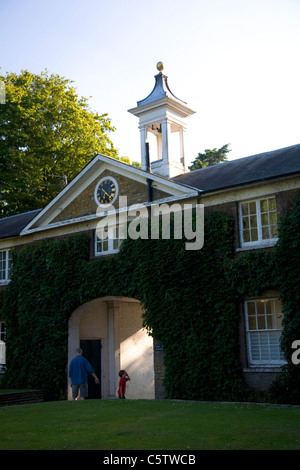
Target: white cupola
{"type": "Point", "coordinates": [162, 124]}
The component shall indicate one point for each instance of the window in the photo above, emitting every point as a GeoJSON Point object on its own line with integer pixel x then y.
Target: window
{"type": "Point", "coordinates": [2, 344]}
{"type": "Point", "coordinates": [258, 221]}
{"type": "Point", "coordinates": [107, 241]}
{"type": "Point", "coordinates": [263, 329]}
{"type": "Point", "coordinates": [5, 265]}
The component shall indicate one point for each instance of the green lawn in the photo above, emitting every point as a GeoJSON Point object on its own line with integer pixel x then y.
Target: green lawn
{"type": "Point", "coordinates": [144, 425]}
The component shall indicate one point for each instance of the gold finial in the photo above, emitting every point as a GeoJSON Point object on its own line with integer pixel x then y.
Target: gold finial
{"type": "Point", "coordinates": [160, 66]}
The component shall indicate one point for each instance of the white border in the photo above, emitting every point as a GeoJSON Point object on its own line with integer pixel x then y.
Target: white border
{"type": "Point", "coordinates": [270, 363]}
{"type": "Point", "coordinates": [260, 243]}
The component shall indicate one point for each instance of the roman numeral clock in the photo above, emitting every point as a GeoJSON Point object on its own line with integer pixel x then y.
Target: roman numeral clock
{"type": "Point", "coordinates": [106, 191]}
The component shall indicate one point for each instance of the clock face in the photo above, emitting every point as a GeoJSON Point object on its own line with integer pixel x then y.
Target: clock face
{"type": "Point", "coordinates": [106, 190]}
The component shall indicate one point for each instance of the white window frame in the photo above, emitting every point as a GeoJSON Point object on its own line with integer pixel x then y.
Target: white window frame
{"type": "Point", "coordinates": [260, 240]}
{"type": "Point", "coordinates": [6, 260]}
{"type": "Point", "coordinates": [109, 245]}
{"type": "Point", "coordinates": [264, 341]}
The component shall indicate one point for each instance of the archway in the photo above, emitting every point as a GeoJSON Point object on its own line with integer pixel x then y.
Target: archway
{"type": "Point", "coordinates": [117, 323]}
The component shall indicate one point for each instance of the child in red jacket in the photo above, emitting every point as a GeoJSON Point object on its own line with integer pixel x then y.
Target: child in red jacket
{"type": "Point", "coordinates": [122, 383]}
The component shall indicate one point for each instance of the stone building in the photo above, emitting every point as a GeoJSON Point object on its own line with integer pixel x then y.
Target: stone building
{"type": "Point", "coordinates": [255, 191]}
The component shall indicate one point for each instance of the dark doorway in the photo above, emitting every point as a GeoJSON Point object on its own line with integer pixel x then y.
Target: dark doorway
{"type": "Point", "coordinates": [91, 349]}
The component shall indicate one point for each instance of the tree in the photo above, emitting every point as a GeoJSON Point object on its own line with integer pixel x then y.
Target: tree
{"type": "Point", "coordinates": [47, 135]}
{"type": "Point", "coordinates": [210, 157]}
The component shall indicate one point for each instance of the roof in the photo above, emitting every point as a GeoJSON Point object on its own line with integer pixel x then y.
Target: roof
{"type": "Point", "coordinates": [261, 167]}
{"type": "Point", "coordinates": [13, 225]}
{"type": "Point", "coordinates": [87, 176]}
{"type": "Point", "coordinates": [161, 90]}
{"type": "Point", "coordinates": [264, 166]}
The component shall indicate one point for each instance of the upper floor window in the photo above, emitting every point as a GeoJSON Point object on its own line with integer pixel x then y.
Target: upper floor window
{"type": "Point", "coordinates": [258, 222]}
{"type": "Point", "coordinates": [5, 265]}
{"type": "Point", "coordinates": [263, 329]}
{"type": "Point", "coordinates": [107, 241]}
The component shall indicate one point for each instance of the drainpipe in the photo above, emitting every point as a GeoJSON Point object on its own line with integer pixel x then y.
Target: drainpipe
{"type": "Point", "coordinates": [148, 168]}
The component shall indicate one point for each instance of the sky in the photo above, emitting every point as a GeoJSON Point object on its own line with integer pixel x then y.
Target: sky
{"type": "Point", "coordinates": [234, 62]}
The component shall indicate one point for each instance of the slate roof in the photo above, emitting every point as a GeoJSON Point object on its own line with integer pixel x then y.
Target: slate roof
{"type": "Point", "coordinates": [261, 167]}
{"type": "Point", "coordinates": [13, 225]}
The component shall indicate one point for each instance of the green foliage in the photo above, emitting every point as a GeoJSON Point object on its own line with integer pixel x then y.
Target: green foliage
{"type": "Point", "coordinates": [210, 157]}
{"type": "Point", "coordinates": [191, 301]}
{"type": "Point", "coordinates": [286, 388]}
{"type": "Point", "coordinates": [45, 287]}
{"type": "Point", "coordinates": [191, 312]}
{"type": "Point", "coordinates": [48, 134]}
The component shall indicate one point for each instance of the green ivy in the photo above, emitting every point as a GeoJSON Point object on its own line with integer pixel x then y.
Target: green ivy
{"type": "Point", "coordinates": [191, 301]}
{"type": "Point", "coordinates": [286, 388]}
{"type": "Point", "coordinates": [45, 287]}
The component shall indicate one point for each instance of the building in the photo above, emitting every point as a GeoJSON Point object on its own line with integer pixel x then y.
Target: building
{"type": "Point", "coordinates": [255, 191]}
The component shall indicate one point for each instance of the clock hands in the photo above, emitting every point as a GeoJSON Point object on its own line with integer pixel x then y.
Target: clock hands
{"type": "Point", "coordinates": [108, 195]}
{"type": "Point", "coordinates": [106, 191]}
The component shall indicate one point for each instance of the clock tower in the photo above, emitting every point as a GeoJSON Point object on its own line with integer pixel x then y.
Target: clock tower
{"type": "Point", "coordinates": [162, 124]}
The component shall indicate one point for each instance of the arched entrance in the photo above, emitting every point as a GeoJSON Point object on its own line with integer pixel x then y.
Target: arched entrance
{"type": "Point", "coordinates": [115, 325]}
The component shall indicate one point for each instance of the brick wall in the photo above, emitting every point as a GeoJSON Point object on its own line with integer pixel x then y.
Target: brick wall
{"type": "Point", "coordinates": [85, 203]}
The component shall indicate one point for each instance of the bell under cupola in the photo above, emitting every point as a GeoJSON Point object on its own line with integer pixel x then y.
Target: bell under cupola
{"type": "Point", "coordinates": [162, 124]}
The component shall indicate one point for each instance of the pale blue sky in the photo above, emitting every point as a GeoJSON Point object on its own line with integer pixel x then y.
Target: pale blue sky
{"type": "Point", "coordinates": [235, 62]}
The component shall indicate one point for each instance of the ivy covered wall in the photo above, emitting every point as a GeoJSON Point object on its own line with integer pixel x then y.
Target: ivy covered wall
{"type": "Point", "coordinates": [191, 301]}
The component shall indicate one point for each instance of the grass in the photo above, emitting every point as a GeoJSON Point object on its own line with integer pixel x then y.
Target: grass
{"type": "Point", "coordinates": [148, 425]}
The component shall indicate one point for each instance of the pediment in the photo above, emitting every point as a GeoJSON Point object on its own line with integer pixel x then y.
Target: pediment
{"type": "Point", "coordinates": [78, 202]}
